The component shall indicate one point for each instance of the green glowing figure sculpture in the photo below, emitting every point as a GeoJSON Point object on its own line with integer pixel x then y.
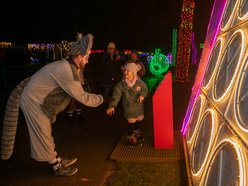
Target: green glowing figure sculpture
{"type": "Point", "coordinates": [159, 63]}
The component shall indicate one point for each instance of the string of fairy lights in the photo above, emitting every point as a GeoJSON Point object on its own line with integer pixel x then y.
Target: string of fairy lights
{"type": "Point", "coordinates": [158, 63]}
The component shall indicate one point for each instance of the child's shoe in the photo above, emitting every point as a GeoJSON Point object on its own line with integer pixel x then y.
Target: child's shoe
{"type": "Point", "coordinates": [138, 135]}
{"type": "Point", "coordinates": [132, 141]}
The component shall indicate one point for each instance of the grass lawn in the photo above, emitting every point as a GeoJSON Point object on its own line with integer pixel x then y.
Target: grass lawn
{"type": "Point", "coordinates": [149, 174]}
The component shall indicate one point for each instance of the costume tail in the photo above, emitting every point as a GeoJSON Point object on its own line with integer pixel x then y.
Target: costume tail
{"type": "Point", "coordinates": [10, 120]}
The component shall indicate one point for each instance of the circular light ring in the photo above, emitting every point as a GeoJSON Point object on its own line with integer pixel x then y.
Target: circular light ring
{"type": "Point", "coordinates": [194, 118]}
{"type": "Point", "coordinates": [228, 14]}
{"type": "Point", "coordinates": [243, 10]}
{"type": "Point", "coordinates": [213, 60]}
{"type": "Point", "coordinates": [229, 66]}
{"type": "Point", "coordinates": [203, 141]}
{"type": "Point", "coordinates": [237, 159]}
{"type": "Point", "coordinates": [241, 98]}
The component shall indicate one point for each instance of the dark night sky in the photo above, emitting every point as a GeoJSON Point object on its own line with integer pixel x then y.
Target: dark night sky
{"type": "Point", "coordinates": [132, 24]}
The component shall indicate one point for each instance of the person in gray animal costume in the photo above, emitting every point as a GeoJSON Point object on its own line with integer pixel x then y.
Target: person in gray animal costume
{"type": "Point", "coordinates": [41, 97]}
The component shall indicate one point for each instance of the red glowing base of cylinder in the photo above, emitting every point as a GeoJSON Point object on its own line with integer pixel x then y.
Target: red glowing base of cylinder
{"type": "Point", "coordinates": [163, 114]}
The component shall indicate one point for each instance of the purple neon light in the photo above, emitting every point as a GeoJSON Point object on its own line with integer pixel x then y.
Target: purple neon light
{"type": "Point", "coordinates": [194, 51]}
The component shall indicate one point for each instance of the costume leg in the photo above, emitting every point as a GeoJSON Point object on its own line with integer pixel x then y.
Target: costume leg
{"type": "Point", "coordinates": [40, 131]}
{"type": "Point", "coordinates": [71, 107]}
{"type": "Point", "coordinates": [78, 109]}
{"type": "Point", "coordinates": [41, 140]}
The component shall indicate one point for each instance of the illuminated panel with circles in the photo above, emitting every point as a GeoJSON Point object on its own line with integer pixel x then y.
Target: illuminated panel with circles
{"type": "Point", "coordinates": [212, 64]}
{"type": "Point", "coordinates": [203, 142]}
{"type": "Point", "coordinates": [227, 154]}
{"type": "Point", "coordinates": [241, 14]}
{"type": "Point", "coordinates": [217, 141]}
{"type": "Point", "coordinates": [229, 65]}
{"type": "Point", "coordinates": [219, 84]}
{"type": "Point", "coordinates": [241, 99]}
{"type": "Point", "coordinates": [227, 161]}
{"type": "Point", "coordinates": [243, 10]}
{"type": "Point", "coordinates": [228, 15]}
{"type": "Point", "coordinates": [236, 113]}
{"type": "Point", "coordinates": [194, 120]}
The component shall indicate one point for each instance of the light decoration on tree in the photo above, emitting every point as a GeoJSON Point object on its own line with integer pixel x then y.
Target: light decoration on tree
{"type": "Point", "coordinates": [174, 47]}
{"type": "Point", "coordinates": [184, 41]}
{"type": "Point", "coordinates": [159, 63]}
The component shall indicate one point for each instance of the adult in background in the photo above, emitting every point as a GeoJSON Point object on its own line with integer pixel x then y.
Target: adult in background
{"type": "Point", "coordinates": [47, 93]}
{"type": "Point", "coordinates": [111, 70]}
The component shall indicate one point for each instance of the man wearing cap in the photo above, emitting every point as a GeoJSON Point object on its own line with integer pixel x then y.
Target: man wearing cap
{"type": "Point", "coordinates": [47, 93]}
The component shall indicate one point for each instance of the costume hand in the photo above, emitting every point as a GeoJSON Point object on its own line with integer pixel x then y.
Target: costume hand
{"type": "Point", "coordinates": [140, 99]}
{"type": "Point", "coordinates": [110, 111]}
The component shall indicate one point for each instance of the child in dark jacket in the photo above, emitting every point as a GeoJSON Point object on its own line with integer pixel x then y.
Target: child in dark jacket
{"type": "Point", "coordinates": [133, 91]}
